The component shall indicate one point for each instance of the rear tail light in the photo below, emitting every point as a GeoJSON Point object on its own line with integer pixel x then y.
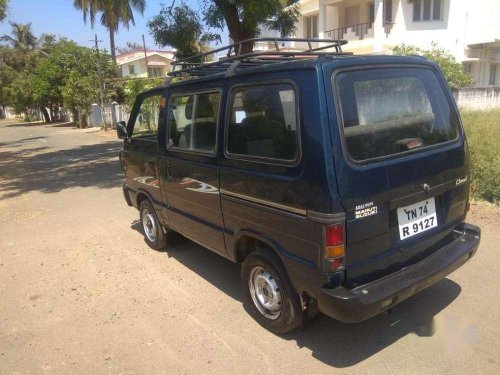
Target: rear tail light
{"type": "Point", "coordinates": [334, 246]}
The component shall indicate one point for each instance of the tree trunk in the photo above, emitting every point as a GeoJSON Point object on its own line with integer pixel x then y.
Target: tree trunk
{"type": "Point", "coordinates": [75, 116]}
{"type": "Point", "coordinates": [238, 30]}
{"type": "Point", "coordinates": [51, 111]}
{"type": "Point", "coordinates": [46, 117]}
{"type": "Point", "coordinates": [112, 44]}
{"type": "Point", "coordinates": [83, 120]}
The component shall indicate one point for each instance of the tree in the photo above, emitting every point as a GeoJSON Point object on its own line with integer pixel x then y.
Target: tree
{"type": "Point", "coordinates": [19, 58]}
{"type": "Point", "coordinates": [51, 73]}
{"type": "Point", "coordinates": [7, 76]}
{"type": "Point", "coordinates": [181, 26]}
{"type": "Point", "coordinates": [113, 13]}
{"type": "Point", "coordinates": [451, 68]}
{"type": "Point", "coordinates": [3, 9]}
{"type": "Point", "coordinates": [130, 47]}
{"type": "Point", "coordinates": [80, 90]}
{"type": "Point", "coordinates": [134, 86]}
{"type": "Point", "coordinates": [21, 37]}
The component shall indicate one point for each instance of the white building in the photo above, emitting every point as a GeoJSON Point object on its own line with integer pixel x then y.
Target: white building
{"type": "Point", "coordinates": [469, 29]}
{"type": "Point", "coordinates": [134, 63]}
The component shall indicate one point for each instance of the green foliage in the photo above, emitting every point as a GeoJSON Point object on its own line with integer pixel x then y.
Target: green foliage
{"type": "Point", "coordinates": [22, 37]}
{"type": "Point", "coordinates": [79, 93]}
{"type": "Point", "coordinates": [182, 28]}
{"type": "Point", "coordinates": [483, 136]}
{"type": "Point", "coordinates": [50, 72]}
{"type": "Point", "coordinates": [112, 12]}
{"type": "Point", "coordinates": [134, 86]}
{"type": "Point", "coordinates": [17, 61]}
{"type": "Point", "coordinates": [130, 47]}
{"type": "Point", "coordinates": [452, 69]}
{"type": "Point", "coordinates": [3, 9]}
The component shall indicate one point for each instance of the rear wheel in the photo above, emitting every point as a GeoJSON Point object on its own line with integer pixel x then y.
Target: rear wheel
{"type": "Point", "coordinates": [153, 231]}
{"type": "Point", "coordinates": [269, 294]}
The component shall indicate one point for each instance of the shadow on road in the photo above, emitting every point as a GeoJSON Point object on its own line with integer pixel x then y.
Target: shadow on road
{"type": "Point", "coordinates": [332, 342]}
{"type": "Point", "coordinates": [27, 170]}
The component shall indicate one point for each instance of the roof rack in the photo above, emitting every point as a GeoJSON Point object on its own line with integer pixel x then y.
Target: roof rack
{"type": "Point", "coordinates": [196, 66]}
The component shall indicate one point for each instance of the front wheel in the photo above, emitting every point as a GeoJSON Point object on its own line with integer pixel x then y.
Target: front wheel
{"type": "Point", "coordinates": [153, 232]}
{"type": "Point", "coordinates": [269, 294]}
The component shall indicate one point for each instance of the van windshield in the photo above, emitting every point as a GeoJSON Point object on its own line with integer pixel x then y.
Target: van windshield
{"type": "Point", "coordinates": [391, 111]}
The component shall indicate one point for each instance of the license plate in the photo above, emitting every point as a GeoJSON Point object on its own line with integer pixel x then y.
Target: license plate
{"type": "Point", "coordinates": [417, 218]}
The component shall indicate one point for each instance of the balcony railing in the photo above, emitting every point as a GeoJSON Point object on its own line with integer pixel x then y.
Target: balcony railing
{"type": "Point", "coordinates": [388, 27]}
{"type": "Point", "coordinates": [357, 32]}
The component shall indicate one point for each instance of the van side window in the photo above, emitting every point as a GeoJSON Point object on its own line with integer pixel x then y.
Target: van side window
{"type": "Point", "coordinates": [193, 120]}
{"type": "Point", "coordinates": [263, 122]}
{"type": "Point", "coordinates": [146, 122]}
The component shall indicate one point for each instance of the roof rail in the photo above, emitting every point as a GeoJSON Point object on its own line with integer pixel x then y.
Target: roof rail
{"type": "Point", "coordinates": [197, 65]}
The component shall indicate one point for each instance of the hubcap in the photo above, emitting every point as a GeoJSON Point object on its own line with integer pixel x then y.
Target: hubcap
{"type": "Point", "coordinates": [149, 225]}
{"type": "Point", "coordinates": [265, 292]}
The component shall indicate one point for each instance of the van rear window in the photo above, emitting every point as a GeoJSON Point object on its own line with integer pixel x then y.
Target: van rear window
{"type": "Point", "coordinates": [391, 111]}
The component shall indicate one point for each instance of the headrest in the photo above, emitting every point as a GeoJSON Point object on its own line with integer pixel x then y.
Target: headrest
{"type": "Point", "coordinates": [203, 108]}
{"type": "Point", "coordinates": [254, 100]}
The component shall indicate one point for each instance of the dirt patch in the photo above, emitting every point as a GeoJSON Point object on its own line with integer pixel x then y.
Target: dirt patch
{"type": "Point", "coordinates": [484, 215]}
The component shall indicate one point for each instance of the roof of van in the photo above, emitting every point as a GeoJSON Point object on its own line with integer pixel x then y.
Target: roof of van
{"type": "Point", "coordinates": [338, 61]}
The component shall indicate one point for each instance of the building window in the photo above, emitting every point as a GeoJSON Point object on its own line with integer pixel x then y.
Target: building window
{"type": "Point", "coordinates": [427, 10]}
{"type": "Point", "coordinates": [387, 11]}
{"type": "Point", "coordinates": [155, 72]}
{"type": "Point", "coordinates": [493, 74]}
{"type": "Point", "coordinates": [311, 26]}
{"type": "Point", "coordinates": [131, 69]}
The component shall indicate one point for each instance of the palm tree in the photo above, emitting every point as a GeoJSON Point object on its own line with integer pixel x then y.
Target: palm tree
{"type": "Point", "coordinates": [22, 37]}
{"type": "Point", "coordinates": [113, 13]}
{"type": "Point", "coordinates": [3, 9]}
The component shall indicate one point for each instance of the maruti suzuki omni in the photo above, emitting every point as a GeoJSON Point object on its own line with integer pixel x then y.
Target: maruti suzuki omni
{"type": "Point", "coordinates": [339, 182]}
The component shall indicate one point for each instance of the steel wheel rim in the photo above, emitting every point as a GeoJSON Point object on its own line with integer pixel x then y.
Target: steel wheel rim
{"type": "Point", "coordinates": [265, 292]}
{"type": "Point", "coordinates": [149, 225]}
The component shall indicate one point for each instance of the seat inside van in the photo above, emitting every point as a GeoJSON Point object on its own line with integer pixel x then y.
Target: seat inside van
{"type": "Point", "coordinates": [200, 134]}
{"type": "Point", "coordinates": [263, 131]}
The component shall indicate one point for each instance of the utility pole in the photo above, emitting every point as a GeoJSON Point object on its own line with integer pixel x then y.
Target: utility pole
{"type": "Point", "coordinates": [101, 82]}
{"type": "Point", "coordinates": [145, 54]}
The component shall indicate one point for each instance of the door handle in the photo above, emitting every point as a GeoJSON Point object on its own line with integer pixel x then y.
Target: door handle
{"type": "Point", "coordinates": [169, 170]}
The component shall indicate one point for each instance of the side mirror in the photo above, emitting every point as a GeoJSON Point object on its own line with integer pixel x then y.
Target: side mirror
{"type": "Point", "coordinates": [121, 130]}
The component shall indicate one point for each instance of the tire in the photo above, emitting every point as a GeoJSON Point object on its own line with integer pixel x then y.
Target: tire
{"type": "Point", "coordinates": [269, 294]}
{"type": "Point", "coordinates": [151, 227]}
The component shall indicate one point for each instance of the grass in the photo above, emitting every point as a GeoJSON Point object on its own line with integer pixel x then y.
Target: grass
{"type": "Point", "coordinates": [483, 135]}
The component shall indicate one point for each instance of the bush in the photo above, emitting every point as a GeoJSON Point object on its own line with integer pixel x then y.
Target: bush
{"type": "Point", "coordinates": [451, 68]}
{"type": "Point", "coordinates": [483, 135]}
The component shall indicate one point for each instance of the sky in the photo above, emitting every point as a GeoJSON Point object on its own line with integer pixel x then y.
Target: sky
{"type": "Point", "coordinates": [61, 18]}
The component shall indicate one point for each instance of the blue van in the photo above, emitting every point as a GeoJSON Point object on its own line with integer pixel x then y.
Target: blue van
{"type": "Point", "coordinates": [339, 182]}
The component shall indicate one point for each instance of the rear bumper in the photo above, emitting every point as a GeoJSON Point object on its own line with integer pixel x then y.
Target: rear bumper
{"type": "Point", "coordinates": [363, 302]}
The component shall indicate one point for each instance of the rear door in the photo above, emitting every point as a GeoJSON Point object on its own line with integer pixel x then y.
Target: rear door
{"type": "Point", "coordinates": [140, 152]}
{"type": "Point", "coordinates": [401, 165]}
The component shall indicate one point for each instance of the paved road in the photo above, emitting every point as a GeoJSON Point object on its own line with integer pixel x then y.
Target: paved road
{"type": "Point", "coordinates": [80, 292]}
